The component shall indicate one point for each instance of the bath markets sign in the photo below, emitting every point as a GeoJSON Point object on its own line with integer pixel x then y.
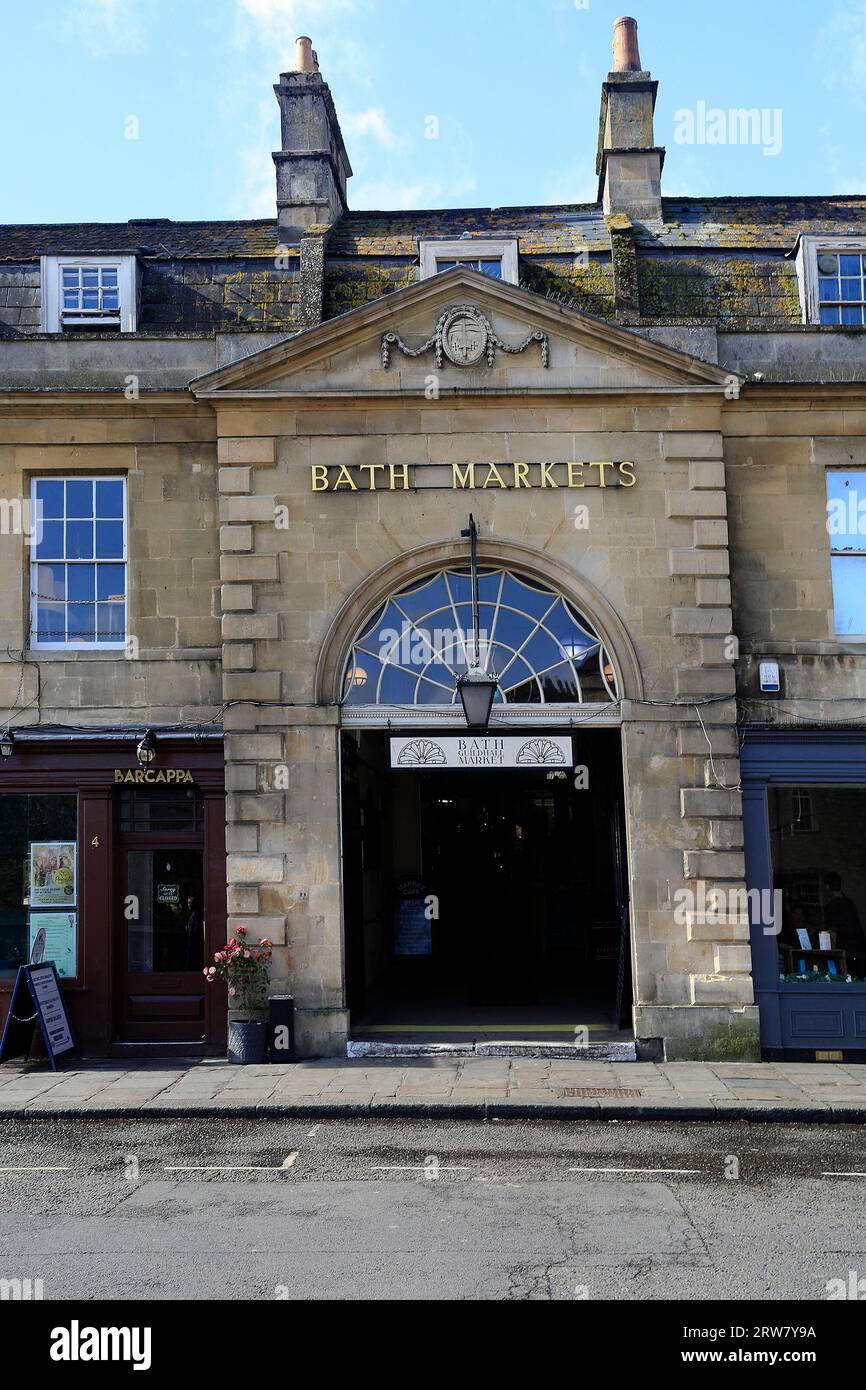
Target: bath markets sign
{"type": "Point", "coordinates": [471, 477]}
{"type": "Point", "coordinates": [482, 751]}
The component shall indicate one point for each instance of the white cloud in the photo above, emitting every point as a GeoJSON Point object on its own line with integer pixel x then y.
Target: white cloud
{"type": "Point", "coordinates": [254, 188]}
{"type": "Point", "coordinates": [277, 23]}
{"type": "Point", "coordinates": [843, 177]}
{"type": "Point", "coordinates": [572, 184]}
{"type": "Point", "coordinates": [396, 194]}
{"type": "Point", "coordinates": [372, 122]}
{"type": "Point", "coordinates": [842, 47]}
{"type": "Point", "coordinates": [106, 27]}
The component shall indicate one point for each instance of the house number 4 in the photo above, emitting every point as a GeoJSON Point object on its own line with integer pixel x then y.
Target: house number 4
{"type": "Point", "coordinates": [95, 842]}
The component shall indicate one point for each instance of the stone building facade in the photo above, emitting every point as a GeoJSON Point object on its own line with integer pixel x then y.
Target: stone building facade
{"type": "Point", "coordinates": [647, 405]}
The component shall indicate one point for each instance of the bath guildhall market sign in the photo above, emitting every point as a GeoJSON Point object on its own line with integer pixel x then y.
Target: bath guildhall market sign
{"type": "Point", "coordinates": [482, 751]}
{"type": "Point", "coordinates": [405, 477]}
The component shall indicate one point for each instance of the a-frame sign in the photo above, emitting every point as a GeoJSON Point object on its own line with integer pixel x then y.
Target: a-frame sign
{"type": "Point", "coordinates": [37, 1002]}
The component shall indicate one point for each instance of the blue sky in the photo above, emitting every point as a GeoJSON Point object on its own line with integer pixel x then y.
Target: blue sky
{"type": "Point", "coordinates": [514, 88]}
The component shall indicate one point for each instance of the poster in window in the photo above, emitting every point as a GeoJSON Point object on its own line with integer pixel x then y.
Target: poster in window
{"type": "Point", "coordinates": [60, 944]}
{"type": "Point", "coordinates": [52, 873]}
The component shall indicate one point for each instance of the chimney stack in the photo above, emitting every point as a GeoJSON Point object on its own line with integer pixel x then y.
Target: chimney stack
{"type": "Point", "coordinates": [626, 55]}
{"type": "Point", "coordinates": [629, 163]}
{"type": "Point", "coordinates": [312, 166]}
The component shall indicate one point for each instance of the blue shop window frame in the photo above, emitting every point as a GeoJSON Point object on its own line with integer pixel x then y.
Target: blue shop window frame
{"type": "Point", "coordinates": [797, 1018]}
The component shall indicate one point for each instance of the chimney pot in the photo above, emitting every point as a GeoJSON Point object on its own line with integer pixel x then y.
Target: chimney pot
{"type": "Point", "coordinates": [626, 55]}
{"type": "Point", "coordinates": [304, 59]}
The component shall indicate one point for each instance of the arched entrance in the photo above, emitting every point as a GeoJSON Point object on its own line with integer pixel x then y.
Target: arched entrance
{"type": "Point", "coordinates": [484, 875]}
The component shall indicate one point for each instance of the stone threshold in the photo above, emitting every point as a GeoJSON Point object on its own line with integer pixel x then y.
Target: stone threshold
{"type": "Point", "coordinates": [590, 1052]}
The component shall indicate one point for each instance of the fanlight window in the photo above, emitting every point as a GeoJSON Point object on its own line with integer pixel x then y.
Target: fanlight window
{"type": "Point", "coordinates": [542, 651]}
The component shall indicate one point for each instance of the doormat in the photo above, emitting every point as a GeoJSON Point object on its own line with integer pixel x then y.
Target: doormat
{"type": "Point", "coordinates": [598, 1092]}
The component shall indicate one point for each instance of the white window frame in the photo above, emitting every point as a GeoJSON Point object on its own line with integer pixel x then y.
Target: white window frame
{"type": "Point", "coordinates": [71, 648]}
{"type": "Point", "coordinates": [470, 248]}
{"type": "Point", "coordinates": [849, 638]}
{"type": "Point", "coordinates": [53, 318]}
{"type": "Point", "coordinates": [808, 251]}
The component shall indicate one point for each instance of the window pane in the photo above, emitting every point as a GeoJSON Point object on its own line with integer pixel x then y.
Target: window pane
{"type": "Point", "coordinates": [109, 299]}
{"type": "Point", "coordinates": [509, 612]}
{"type": "Point", "coordinates": [79, 540]}
{"type": "Point", "coordinates": [109, 540]}
{"type": "Point", "coordinates": [819, 870]}
{"type": "Point", "coordinates": [109, 498]}
{"type": "Point", "coordinates": [79, 498]}
{"type": "Point", "coordinates": [50, 547]}
{"type": "Point", "coordinates": [81, 620]}
{"type": "Point", "coordinates": [110, 625]}
{"type": "Point", "coordinates": [849, 265]}
{"type": "Point", "coordinates": [168, 932]}
{"type": "Point", "coordinates": [90, 277]}
{"type": "Point", "coordinates": [50, 620]}
{"type": "Point", "coordinates": [445, 265]}
{"type": "Point", "coordinates": [829, 315]}
{"type": "Point", "coordinates": [81, 582]}
{"type": "Point", "coordinates": [109, 276]}
{"type": "Point", "coordinates": [110, 581]}
{"type": "Point", "coordinates": [90, 299]}
{"type": "Point", "coordinates": [846, 509]}
{"type": "Point", "coordinates": [852, 314]}
{"type": "Point", "coordinates": [24, 820]}
{"type": "Point", "coordinates": [49, 493]}
{"type": "Point", "coordinates": [828, 289]}
{"type": "Point", "coordinates": [70, 299]}
{"type": "Point", "coordinates": [492, 268]}
{"type": "Point", "coordinates": [70, 275]}
{"type": "Point", "coordinates": [852, 289]}
{"type": "Point", "coordinates": [849, 594]}
{"type": "Point", "coordinates": [50, 581]}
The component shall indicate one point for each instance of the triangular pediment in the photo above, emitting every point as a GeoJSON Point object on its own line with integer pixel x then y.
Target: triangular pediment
{"type": "Point", "coordinates": [469, 333]}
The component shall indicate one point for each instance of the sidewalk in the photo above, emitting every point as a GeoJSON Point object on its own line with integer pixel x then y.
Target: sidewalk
{"type": "Point", "coordinates": [446, 1088]}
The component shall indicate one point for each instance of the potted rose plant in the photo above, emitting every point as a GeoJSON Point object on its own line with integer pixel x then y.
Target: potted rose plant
{"type": "Point", "coordinates": [244, 967]}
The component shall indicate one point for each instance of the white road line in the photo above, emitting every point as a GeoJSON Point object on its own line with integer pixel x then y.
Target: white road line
{"type": "Point", "coordinates": [418, 1168]}
{"type": "Point", "coordinates": [843, 1175]}
{"type": "Point", "coordinates": [313, 1131]}
{"type": "Point", "coordinates": [288, 1162]}
{"type": "Point", "coordinates": [34, 1170]}
{"type": "Point", "coordinates": [680, 1171]}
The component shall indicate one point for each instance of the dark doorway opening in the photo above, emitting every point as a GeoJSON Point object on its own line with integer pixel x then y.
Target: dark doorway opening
{"type": "Point", "coordinates": [482, 903]}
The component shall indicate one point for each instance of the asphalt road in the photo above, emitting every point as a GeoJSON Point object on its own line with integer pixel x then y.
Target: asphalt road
{"type": "Point", "coordinates": [265, 1209]}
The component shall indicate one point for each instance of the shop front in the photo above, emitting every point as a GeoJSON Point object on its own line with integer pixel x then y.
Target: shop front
{"type": "Point", "coordinates": [115, 848]}
{"type": "Point", "coordinates": [554, 841]}
{"type": "Point", "coordinates": [804, 811]}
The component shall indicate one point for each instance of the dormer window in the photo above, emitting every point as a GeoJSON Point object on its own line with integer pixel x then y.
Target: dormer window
{"type": "Point", "coordinates": [832, 275]}
{"type": "Point", "coordinates": [89, 294]}
{"type": "Point", "coordinates": [498, 259]}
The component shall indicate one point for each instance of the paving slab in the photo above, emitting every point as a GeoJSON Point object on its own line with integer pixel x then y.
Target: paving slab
{"type": "Point", "coordinates": [465, 1086]}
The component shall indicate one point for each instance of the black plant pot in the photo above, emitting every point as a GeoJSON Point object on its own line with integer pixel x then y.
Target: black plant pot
{"type": "Point", "coordinates": [248, 1043]}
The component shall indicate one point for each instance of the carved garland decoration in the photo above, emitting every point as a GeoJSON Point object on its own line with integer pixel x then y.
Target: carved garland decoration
{"type": "Point", "coordinates": [464, 336]}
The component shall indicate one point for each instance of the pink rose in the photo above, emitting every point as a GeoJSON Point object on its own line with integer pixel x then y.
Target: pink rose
{"type": "Point", "coordinates": [232, 990]}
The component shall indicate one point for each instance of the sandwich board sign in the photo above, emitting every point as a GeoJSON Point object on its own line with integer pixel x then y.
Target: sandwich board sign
{"type": "Point", "coordinates": [37, 1002]}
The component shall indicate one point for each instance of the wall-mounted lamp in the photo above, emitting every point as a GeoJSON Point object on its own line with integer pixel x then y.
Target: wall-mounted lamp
{"type": "Point", "coordinates": [477, 688]}
{"type": "Point", "coordinates": [7, 743]}
{"type": "Point", "coordinates": [146, 750]}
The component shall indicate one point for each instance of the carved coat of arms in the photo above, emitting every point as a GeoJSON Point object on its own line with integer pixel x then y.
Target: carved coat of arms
{"type": "Point", "coordinates": [465, 336]}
